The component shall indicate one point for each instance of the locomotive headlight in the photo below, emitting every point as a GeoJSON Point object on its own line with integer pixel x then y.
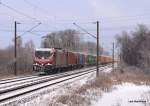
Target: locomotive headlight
{"type": "Point", "coordinates": [48, 64]}
{"type": "Point", "coordinates": [36, 64]}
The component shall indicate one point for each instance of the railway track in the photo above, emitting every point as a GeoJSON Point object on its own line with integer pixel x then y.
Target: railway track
{"type": "Point", "coordinates": [21, 89]}
{"type": "Point", "coordinates": [13, 78]}
{"type": "Point", "coordinates": [17, 85]}
{"type": "Point", "coordinates": [5, 81]}
{"type": "Point", "coordinates": [26, 80]}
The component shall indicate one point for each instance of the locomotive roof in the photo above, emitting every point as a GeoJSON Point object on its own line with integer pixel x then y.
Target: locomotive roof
{"type": "Point", "coordinates": [43, 49]}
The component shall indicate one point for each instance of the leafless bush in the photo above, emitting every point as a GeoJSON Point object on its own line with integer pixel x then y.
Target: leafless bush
{"type": "Point", "coordinates": [72, 100]}
{"type": "Point", "coordinates": [82, 89]}
{"type": "Point", "coordinates": [135, 49]}
{"type": "Point", "coordinates": [82, 96]}
{"type": "Point", "coordinates": [103, 82]}
{"type": "Point", "coordinates": [6, 61]}
{"type": "Point", "coordinates": [24, 59]}
{"type": "Point", "coordinates": [131, 74]}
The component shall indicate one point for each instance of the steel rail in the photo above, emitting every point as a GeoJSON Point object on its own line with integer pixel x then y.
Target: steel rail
{"type": "Point", "coordinates": [4, 81]}
{"type": "Point", "coordinates": [31, 83]}
{"type": "Point", "coordinates": [21, 82]}
{"type": "Point", "coordinates": [9, 80]}
{"type": "Point", "coordinates": [2, 99]}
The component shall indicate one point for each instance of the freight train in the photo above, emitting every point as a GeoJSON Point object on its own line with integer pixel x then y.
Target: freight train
{"type": "Point", "coordinates": [54, 60]}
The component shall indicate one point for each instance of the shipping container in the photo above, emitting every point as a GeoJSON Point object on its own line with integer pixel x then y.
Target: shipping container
{"type": "Point", "coordinates": [91, 60]}
{"type": "Point", "coordinates": [104, 59]}
{"type": "Point", "coordinates": [81, 59]}
{"type": "Point", "coordinates": [71, 58]}
{"type": "Point", "coordinates": [60, 58]}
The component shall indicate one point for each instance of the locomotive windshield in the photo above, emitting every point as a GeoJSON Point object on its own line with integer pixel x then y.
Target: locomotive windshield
{"type": "Point", "coordinates": [42, 54]}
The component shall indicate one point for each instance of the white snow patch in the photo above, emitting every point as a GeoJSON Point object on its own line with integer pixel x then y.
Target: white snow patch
{"type": "Point", "coordinates": [124, 95]}
{"type": "Point", "coordinates": [108, 70]}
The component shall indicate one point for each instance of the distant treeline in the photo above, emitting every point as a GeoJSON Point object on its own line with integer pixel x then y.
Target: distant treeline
{"type": "Point", "coordinates": [135, 47]}
{"type": "Point", "coordinates": [71, 40]}
{"type": "Point", "coordinates": [67, 39]}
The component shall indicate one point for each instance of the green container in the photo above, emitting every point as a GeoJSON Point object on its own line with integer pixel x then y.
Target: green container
{"type": "Point", "coordinates": [91, 60]}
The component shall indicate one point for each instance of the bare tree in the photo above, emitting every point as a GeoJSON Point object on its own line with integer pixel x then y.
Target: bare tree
{"type": "Point", "coordinates": [135, 47]}
{"type": "Point", "coordinates": [24, 58]}
{"type": "Point", "coordinates": [68, 39]}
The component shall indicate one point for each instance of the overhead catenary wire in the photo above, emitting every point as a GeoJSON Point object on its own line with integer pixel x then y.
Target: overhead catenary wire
{"type": "Point", "coordinates": [42, 10]}
{"type": "Point", "coordinates": [84, 30]}
{"type": "Point", "coordinates": [103, 18]}
{"type": "Point", "coordinates": [37, 7]}
{"type": "Point", "coordinates": [30, 29]}
{"type": "Point", "coordinates": [107, 18]}
{"type": "Point", "coordinates": [18, 12]}
{"type": "Point", "coordinates": [33, 33]}
{"type": "Point", "coordinates": [102, 29]}
{"type": "Point", "coordinates": [30, 16]}
{"type": "Point", "coordinates": [23, 14]}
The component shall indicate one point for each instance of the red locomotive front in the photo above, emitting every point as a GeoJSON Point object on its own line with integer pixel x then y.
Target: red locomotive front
{"type": "Point", "coordinates": [44, 59]}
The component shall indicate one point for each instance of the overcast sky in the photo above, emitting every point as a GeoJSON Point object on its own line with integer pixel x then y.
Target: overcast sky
{"type": "Point", "coordinates": [114, 16]}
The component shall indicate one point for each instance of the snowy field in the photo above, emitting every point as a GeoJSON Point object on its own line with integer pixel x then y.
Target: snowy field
{"type": "Point", "coordinates": [127, 94]}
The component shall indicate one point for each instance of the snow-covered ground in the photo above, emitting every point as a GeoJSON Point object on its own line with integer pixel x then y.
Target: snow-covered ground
{"type": "Point", "coordinates": [42, 97]}
{"type": "Point", "coordinates": [44, 100]}
{"type": "Point", "coordinates": [127, 94]}
{"type": "Point", "coordinates": [108, 70]}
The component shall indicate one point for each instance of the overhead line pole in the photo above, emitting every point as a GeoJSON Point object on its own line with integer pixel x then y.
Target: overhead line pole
{"type": "Point", "coordinates": [113, 55]}
{"type": "Point", "coordinates": [97, 59]}
{"type": "Point", "coordinates": [97, 65]}
{"type": "Point", "coordinates": [15, 49]}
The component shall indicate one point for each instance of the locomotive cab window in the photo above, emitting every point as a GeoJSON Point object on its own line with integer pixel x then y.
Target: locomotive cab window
{"type": "Point", "coordinates": [42, 54]}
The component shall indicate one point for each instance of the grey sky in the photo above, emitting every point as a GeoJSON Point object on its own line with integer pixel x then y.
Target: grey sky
{"type": "Point", "coordinates": [114, 16]}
